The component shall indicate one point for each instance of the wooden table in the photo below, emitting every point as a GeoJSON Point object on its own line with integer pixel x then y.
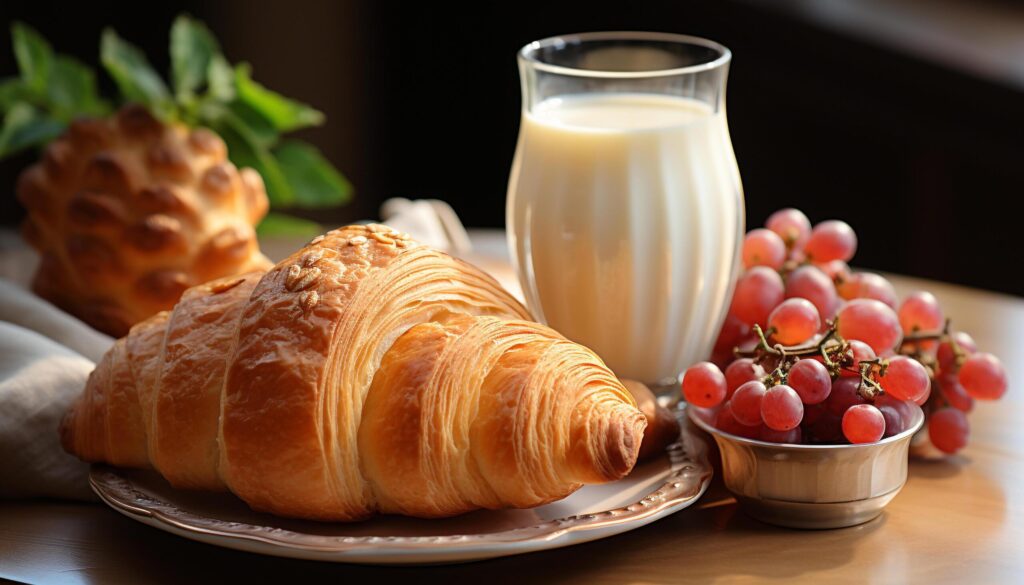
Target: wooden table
{"type": "Point", "coordinates": [960, 520]}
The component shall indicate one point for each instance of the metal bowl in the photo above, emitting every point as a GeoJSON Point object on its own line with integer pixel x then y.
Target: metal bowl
{"type": "Point", "coordinates": [811, 486]}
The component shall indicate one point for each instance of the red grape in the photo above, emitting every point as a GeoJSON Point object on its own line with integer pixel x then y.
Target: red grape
{"type": "Point", "coordinates": [954, 393]}
{"type": "Point", "coordinates": [733, 330]}
{"type": "Point", "coordinates": [791, 225]}
{"type": "Point", "coordinates": [808, 282]}
{"type": "Point", "coordinates": [796, 309]}
{"type": "Point", "coordinates": [893, 420]}
{"type": "Point", "coordinates": [905, 408]}
{"type": "Point", "coordinates": [792, 436]}
{"type": "Point", "coordinates": [982, 375]}
{"type": "Point", "coordinates": [781, 408]}
{"type": "Point", "coordinates": [740, 372]}
{"type": "Point", "coordinates": [905, 379]}
{"type": "Point", "coordinates": [837, 270]}
{"type": "Point", "coordinates": [876, 286]}
{"type": "Point", "coordinates": [812, 412]}
{"type": "Point", "coordinates": [831, 240]}
{"type": "Point", "coordinates": [758, 291]}
{"type": "Point", "coordinates": [859, 352]}
{"type": "Point", "coordinates": [746, 403]}
{"type": "Point", "coordinates": [827, 429]}
{"type": "Point", "coordinates": [795, 321]}
{"type": "Point", "coordinates": [845, 393]}
{"type": "Point", "coordinates": [810, 379]}
{"type": "Point", "coordinates": [726, 422]}
{"type": "Point", "coordinates": [921, 400]}
{"type": "Point", "coordinates": [947, 357]}
{"type": "Point", "coordinates": [920, 311]}
{"type": "Point", "coordinates": [872, 322]}
{"type": "Point", "coordinates": [721, 358]}
{"type": "Point", "coordinates": [848, 287]}
{"type": "Point", "coordinates": [868, 285]}
{"type": "Point", "coordinates": [763, 247]}
{"type": "Point", "coordinates": [863, 423]}
{"type": "Point", "coordinates": [748, 343]}
{"type": "Point", "coordinates": [948, 429]}
{"type": "Point", "coordinates": [704, 385]}
{"type": "Point", "coordinates": [838, 306]}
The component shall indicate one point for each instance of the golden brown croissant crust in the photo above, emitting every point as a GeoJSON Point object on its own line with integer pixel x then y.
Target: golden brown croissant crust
{"type": "Point", "coordinates": [363, 374]}
{"type": "Point", "coordinates": [662, 427]}
{"type": "Point", "coordinates": [128, 212]}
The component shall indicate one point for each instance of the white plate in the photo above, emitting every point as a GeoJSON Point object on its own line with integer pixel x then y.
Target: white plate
{"type": "Point", "coordinates": [654, 490]}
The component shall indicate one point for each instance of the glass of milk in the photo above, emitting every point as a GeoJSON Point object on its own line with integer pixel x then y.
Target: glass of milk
{"type": "Point", "coordinates": [625, 209]}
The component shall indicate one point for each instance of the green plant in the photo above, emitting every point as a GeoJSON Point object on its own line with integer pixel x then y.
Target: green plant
{"type": "Point", "coordinates": [205, 90]}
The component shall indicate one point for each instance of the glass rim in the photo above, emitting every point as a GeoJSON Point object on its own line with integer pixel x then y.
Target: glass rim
{"type": "Point", "coordinates": [528, 54]}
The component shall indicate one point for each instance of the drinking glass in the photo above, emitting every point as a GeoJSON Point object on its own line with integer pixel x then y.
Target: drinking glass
{"type": "Point", "coordinates": [625, 209]}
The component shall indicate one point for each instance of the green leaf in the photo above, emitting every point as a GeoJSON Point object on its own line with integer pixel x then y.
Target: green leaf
{"type": "Point", "coordinates": [284, 114]}
{"type": "Point", "coordinates": [262, 131]}
{"type": "Point", "coordinates": [220, 79]}
{"type": "Point", "coordinates": [135, 77]}
{"type": "Point", "coordinates": [71, 90]}
{"type": "Point", "coordinates": [25, 127]}
{"type": "Point", "coordinates": [279, 224]}
{"type": "Point", "coordinates": [245, 150]}
{"type": "Point", "coordinates": [12, 91]}
{"type": "Point", "coordinates": [193, 49]}
{"type": "Point", "coordinates": [314, 180]}
{"type": "Point", "coordinates": [34, 56]}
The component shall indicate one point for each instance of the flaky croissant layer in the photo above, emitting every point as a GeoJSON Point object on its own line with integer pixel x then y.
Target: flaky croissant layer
{"type": "Point", "coordinates": [363, 374]}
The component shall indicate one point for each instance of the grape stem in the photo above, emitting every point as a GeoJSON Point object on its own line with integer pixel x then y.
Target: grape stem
{"type": "Point", "coordinates": [831, 347]}
{"type": "Point", "coordinates": [918, 335]}
{"type": "Point", "coordinates": [869, 388]}
{"type": "Point", "coordinates": [779, 350]}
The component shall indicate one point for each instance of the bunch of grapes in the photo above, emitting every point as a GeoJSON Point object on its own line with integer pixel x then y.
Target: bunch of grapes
{"type": "Point", "coordinates": [812, 352]}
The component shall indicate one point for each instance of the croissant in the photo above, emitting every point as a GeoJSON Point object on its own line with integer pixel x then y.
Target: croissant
{"type": "Point", "coordinates": [364, 374]}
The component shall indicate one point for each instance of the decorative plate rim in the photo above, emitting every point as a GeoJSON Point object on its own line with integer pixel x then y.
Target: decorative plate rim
{"type": "Point", "coordinates": [689, 474]}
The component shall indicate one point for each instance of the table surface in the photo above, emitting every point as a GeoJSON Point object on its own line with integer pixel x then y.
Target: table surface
{"type": "Point", "coordinates": [958, 520]}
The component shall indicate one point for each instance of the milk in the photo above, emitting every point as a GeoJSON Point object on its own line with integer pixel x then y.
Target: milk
{"type": "Point", "coordinates": [624, 216]}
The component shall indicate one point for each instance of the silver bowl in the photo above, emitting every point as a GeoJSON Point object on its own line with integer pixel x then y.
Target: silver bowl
{"type": "Point", "coordinates": [811, 486]}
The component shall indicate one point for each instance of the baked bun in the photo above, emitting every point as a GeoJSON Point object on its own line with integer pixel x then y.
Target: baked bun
{"type": "Point", "coordinates": [127, 212]}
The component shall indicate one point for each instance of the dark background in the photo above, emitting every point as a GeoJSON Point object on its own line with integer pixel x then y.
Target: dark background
{"type": "Point", "coordinates": [919, 144]}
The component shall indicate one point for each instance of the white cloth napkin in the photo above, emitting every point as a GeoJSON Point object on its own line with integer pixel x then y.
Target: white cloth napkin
{"type": "Point", "coordinates": [21, 307]}
{"type": "Point", "coordinates": [39, 378]}
{"type": "Point", "coordinates": [46, 356]}
{"type": "Point", "coordinates": [430, 221]}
